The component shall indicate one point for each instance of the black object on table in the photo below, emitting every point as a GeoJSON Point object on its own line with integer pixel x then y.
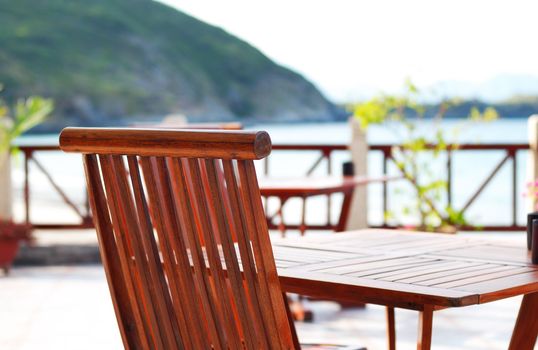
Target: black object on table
{"type": "Point", "coordinates": [348, 169]}
{"type": "Point", "coordinates": [534, 250]}
{"type": "Point", "coordinates": [530, 218]}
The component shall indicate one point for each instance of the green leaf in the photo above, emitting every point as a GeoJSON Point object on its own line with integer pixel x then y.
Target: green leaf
{"type": "Point", "coordinates": [27, 114]}
{"type": "Point", "coordinates": [371, 112]}
{"type": "Point", "coordinates": [30, 113]}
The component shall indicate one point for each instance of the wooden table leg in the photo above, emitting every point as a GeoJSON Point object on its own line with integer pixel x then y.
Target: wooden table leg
{"type": "Point", "coordinates": [526, 328]}
{"type": "Point", "coordinates": [391, 328]}
{"type": "Point", "coordinates": [282, 225]}
{"type": "Point", "coordinates": [425, 321]}
{"type": "Point", "coordinates": [344, 212]}
{"type": "Point", "coordinates": [302, 227]}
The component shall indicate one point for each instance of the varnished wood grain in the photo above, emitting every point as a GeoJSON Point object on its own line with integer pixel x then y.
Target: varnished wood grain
{"type": "Point", "coordinates": [118, 290]}
{"type": "Point", "coordinates": [407, 268]}
{"type": "Point", "coordinates": [167, 142]}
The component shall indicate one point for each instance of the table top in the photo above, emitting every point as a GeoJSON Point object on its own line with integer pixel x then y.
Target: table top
{"type": "Point", "coordinates": [405, 269]}
{"type": "Point", "coordinates": [311, 186]}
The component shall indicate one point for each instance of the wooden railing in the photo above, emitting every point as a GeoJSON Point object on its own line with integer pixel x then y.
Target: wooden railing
{"type": "Point", "coordinates": [510, 151]}
{"type": "Point", "coordinates": [83, 213]}
{"type": "Point", "coordinates": [326, 154]}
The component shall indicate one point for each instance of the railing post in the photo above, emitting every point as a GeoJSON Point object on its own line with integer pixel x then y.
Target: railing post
{"type": "Point", "coordinates": [386, 157]}
{"type": "Point", "coordinates": [449, 177]}
{"type": "Point", "coordinates": [358, 217]}
{"type": "Point", "coordinates": [513, 155]}
{"type": "Point", "coordinates": [532, 168]}
{"type": "Point", "coordinates": [329, 200]}
{"type": "Point", "coordinates": [27, 156]}
{"type": "Point", "coordinates": [6, 210]}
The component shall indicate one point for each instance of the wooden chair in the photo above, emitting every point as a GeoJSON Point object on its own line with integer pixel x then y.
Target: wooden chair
{"type": "Point", "coordinates": [168, 207]}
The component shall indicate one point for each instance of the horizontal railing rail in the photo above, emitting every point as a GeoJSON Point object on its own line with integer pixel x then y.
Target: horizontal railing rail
{"type": "Point", "coordinates": [326, 152]}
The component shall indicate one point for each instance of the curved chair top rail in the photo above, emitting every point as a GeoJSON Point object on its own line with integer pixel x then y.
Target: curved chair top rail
{"type": "Point", "coordinates": [167, 142]}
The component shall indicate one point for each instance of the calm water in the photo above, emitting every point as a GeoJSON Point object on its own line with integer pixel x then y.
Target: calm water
{"type": "Point", "coordinates": [501, 131]}
{"type": "Point", "coordinates": [469, 169]}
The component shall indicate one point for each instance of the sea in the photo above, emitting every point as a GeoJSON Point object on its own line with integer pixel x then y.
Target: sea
{"type": "Point", "coordinates": [470, 169]}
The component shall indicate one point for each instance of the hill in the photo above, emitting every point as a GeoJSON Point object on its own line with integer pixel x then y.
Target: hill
{"type": "Point", "coordinates": [109, 62]}
{"type": "Point", "coordinates": [497, 89]}
{"type": "Point", "coordinates": [515, 107]}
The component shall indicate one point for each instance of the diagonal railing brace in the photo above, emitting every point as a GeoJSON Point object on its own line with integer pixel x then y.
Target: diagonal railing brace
{"type": "Point", "coordinates": [486, 181]}
{"type": "Point", "coordinates": [57, 188]}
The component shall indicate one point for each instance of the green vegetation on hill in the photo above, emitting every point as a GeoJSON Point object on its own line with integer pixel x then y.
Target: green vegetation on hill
{"type": "Point", "coordinates": [103, 60]}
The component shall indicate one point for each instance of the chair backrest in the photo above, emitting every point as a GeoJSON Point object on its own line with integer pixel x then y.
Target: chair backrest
{"type": "Point", "coordinates": [168, 206]}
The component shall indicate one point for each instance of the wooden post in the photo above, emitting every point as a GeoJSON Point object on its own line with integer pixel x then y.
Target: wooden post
{"type": "Point", "coordinates": [6, 210]}
{"type": "Point", "coordinates": [532, 167]}
{"type": "Point", "coordinates": [358, 216]}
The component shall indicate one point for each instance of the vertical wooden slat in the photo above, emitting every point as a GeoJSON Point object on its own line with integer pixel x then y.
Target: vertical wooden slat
{"type": "Point", "coordinates": [147, 260]}
{"type": "Point", "coordinates": [247, 258]}
{"type": "Point", "coordinates": [225, 196]}
{"type": "Point", "coordinates": [262, 234]}
{"type": "Point", "coordinates": [215, 266]}
{"type": "Point", "coordinates": [158, 280]}
{"type": "Point", "coordinates": [188, 293]}
{"type": "Point", "coordinates": [171, 265]}
{"type": "Point", "coordinates": [130, 229]}
{"type": "Point", "coordinates": [186, 176]}
{"type": "Point", "coordinates": [264, 255]}
{"type": "Point", "coordinates": [263, 292]}
{"type": "Point", "coordinates": [192, 229]}
{"type": "Point", "coordinates": [216, 188]}
{"type": "Point", "coordinates": [125, 261]}
{"type": "Point", "coordinates": [207, 198]}
{"type": "Point", "coordinates": [109, 257]}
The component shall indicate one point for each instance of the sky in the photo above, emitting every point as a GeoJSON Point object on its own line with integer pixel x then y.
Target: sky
{"type": "Point", "coordinates": [354, 49]}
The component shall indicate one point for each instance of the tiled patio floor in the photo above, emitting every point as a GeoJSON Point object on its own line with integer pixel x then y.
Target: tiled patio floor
{"type": "Point", "coordinates": [68, 307]}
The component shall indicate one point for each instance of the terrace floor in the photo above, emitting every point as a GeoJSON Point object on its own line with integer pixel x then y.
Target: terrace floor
{"type": "Point", "coordinates": [69, 307]}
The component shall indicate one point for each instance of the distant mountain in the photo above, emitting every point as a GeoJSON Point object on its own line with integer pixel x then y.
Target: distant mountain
{"type": "Point", "coordinates": [106, 60]}
{"type": "Point", "coordinates": [494, 90]}
{"type": "Point", "coordinates": [517, 107]}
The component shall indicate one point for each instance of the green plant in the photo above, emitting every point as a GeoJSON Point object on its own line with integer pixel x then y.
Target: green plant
{"type": "Point", "coordinates": [24, 115]}
{"type": "Point", "coordinates": [405, 114]}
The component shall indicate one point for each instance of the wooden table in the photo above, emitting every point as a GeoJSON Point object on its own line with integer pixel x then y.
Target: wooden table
{"type": "Point", "coordinates": [419, 271]}
{"type": "Point", "coordinates": [286, 188]}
